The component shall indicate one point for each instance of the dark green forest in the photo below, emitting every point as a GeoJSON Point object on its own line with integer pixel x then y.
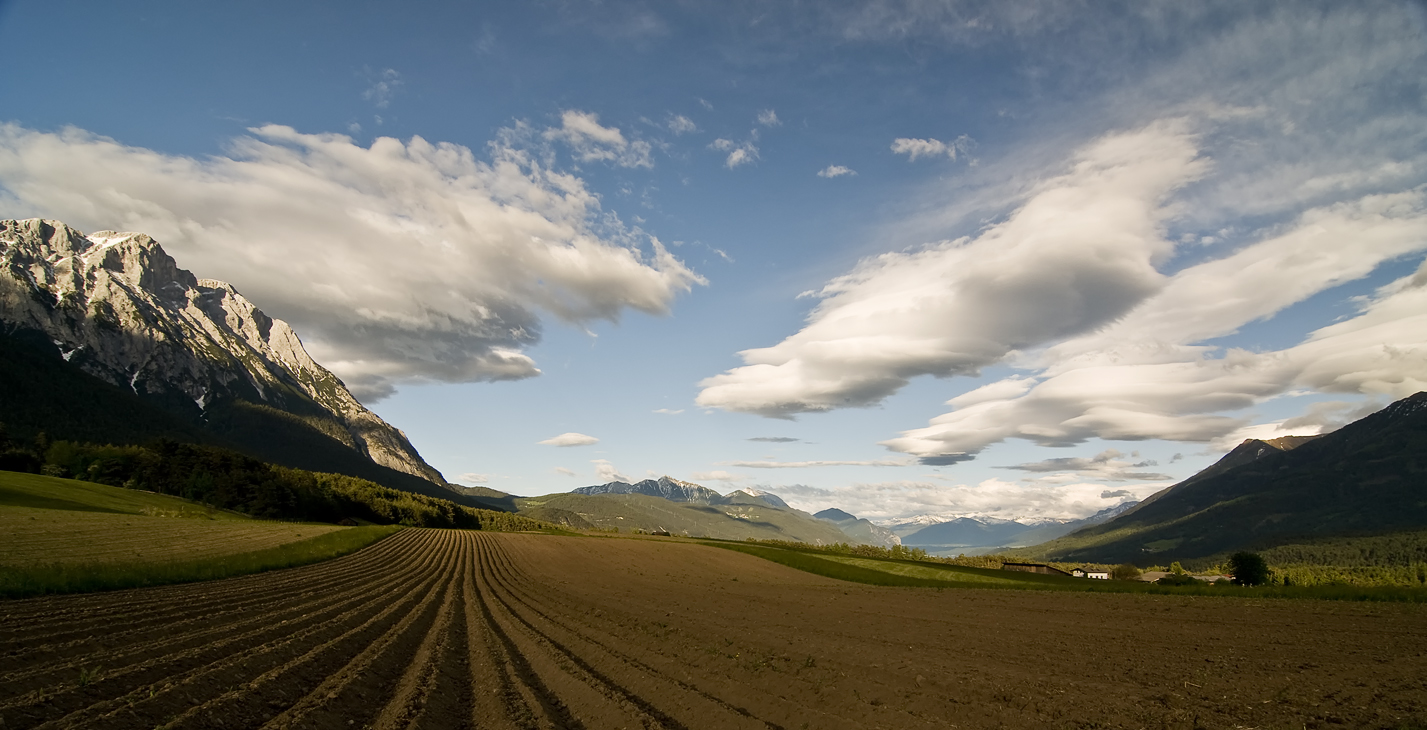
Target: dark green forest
{"type": "Point", "coordinates": [229, 480]}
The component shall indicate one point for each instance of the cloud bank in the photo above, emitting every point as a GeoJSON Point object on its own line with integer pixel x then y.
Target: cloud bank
{"type": "Point", "coordinates": [1080, 252]}
{"type": "Point", "coordinates": [889, 502]}
{"type": "Point", "coordinates": [401, 261]}
{"type": "Point", "coordinates": [1153, 375]}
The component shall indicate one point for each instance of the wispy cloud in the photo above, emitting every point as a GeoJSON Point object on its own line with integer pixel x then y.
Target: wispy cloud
{"type": "Point", "coordinates": [832, 171]}
{"type": "Point", "coordinates": [680, 124]}
{"type": "Point", "coordinates": [606, 472]}
{"type": "Point", "coordinates": [768, 118]}
{"type": "Point", "coordinates": [775, 439]}
{"type": "Point", "coordinates": [669, 411]}
{"type": "Point", "coordinates": [1107, 465]}
{"type": "Point", "coordinates": [814, 464]}
{"type": "Point", "coordinates": [565, 472]}
{"type": "Point", "coordinates": [914, 148]}
{"type": "Point", "coordinates": [383, 86]}
{"type": "Point", "coordinates": [570, 439]}
{"type": "Point", "coordinates": [592, 142]}
{"type": "Point", "coordinates": [739, 153]}
{"type": "Point", "coordinates": [474, 478]}
{"type": "Point", "coordinates": [716, 476]}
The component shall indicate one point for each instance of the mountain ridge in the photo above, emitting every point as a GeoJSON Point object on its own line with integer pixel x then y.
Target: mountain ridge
{"type": "Point", "coordinates": [116, 307]}
{"type": "Point", "coordinates": [1363, 479]}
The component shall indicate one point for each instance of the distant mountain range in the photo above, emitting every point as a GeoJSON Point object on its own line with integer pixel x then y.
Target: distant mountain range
{"type": "Point", "coordinates": [117, 343]}
{"type": "Point", "coordinates": [666, 487]}
{"type": "Point", "coordinates": [683, 508]}
{"type": "Point", "coordinates": [860, 530]}
{"type": "Point", "coordinates": [1367, 478]}
{"type": "Point", "coordinates": [968, 534]}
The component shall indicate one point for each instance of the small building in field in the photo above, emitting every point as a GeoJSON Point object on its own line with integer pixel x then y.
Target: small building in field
{"type": "Point", "coordinates": [1092, 573]}
{"type": "Point", "coordinates": [1041, 568]}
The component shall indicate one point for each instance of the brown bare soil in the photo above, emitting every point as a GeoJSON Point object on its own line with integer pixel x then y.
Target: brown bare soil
{"type": "Point", "coordinates": [449, 629]}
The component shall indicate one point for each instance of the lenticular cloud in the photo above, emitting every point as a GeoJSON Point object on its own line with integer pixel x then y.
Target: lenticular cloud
{"type": "Point", "coordinates": [398, 261]}
{"type": "Point", "coordinates": [1077, 254]}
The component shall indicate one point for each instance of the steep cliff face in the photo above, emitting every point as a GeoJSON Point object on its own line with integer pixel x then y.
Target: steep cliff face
{"type": "Point", "coordinates": [667, 487]}
{"type": "Point", "coordinates": [118, 307]}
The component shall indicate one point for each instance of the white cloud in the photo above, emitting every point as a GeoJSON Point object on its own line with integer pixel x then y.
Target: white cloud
{"type": "Point", "coordinates": [591, 142]}
{"type": "Point", "coordinates": [669, 411]}
{"type": "Point", "coordinates": [383, 86]}
{"type": "Point", "coordinates": [1106, 465]}
{"type": "Point", "coordinates": [606, 472]}
{"type": "Point", "coordinates": [768, 118]}
{"type": "Point", "coordinates": [716, 476]}
{"type": "Point", "coordinates": [398, 261]}
{"type": "Point", "coordinates": [812, 464]}
{"type": "Point", "coordinates": [570, 439]}
{"type": "Point", "coordinates": [888, 502]}
{"type": "Point", "coordinates": [1150, 375]}
{"type": "Point", "coordinates": [1078, 253]}
{"type": "Point", "coordinates": [914, 148]}
{"type": "Point", "coordinates": [832, 171]}
{"type": "Point", "coordinates": [563, 471]}
{"type": "Point", "coordinates": [474, 478]}
{"type": "Point", "coordinates": [739, 153]}
{"type": "Point", "coordinates": [680, 124]}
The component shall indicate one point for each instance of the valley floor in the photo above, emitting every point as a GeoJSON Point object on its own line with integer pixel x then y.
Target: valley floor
{"type": "Point", "coordinates": [446, 629]}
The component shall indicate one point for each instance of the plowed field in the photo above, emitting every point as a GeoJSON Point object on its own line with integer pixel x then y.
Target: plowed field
{"type": "Point", "coordinates": [448, 629]}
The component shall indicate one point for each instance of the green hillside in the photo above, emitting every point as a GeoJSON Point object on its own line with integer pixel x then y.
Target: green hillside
{"type": "Point", "coordinates": [34, 491]}
{"type": "Point", "coordinates": [1368, 478]}
{"type": "Point", "coordinates": [65, 403]}
{"type": "Point", "coordinates": [630, 512]}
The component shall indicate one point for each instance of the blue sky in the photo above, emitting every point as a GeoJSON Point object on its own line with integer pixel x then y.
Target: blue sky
{"type": "Point", "coordinates": [914, 257]}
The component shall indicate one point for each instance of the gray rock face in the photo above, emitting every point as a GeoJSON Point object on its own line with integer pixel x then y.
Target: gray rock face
{"type": "Point", "coordinates": [666, 487]}
{"type": "Point", "coordinates": [119, 307]}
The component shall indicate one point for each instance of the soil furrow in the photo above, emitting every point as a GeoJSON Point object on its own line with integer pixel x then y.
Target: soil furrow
{"type": "Point", "coordinates": [447, 699]}
{"type": "Point", "coordinates": [418, 680]}
{"type": "Point", "coordinates": [640, 679]}
{"type": "Point", "coordinates": [265, 691]}
{"type": "Point", "coordinates": [615, 692]}
{"type": "Point", "coordinates": [136, 648]}
{"type": "Point", "coordinates": [527, 697]}
{"type": "Point", "coordinates": [597, 633]}
{"type": "Point", "coordinates": [460, 629]}
{"type": "Point", "coordinates": [25, 621]}
{"type": "Point", "coordinates": [206, 672]}
{"type": "Point", "coordinates": [368, 682]}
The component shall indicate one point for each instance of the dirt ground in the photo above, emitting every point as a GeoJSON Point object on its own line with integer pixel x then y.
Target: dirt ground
{"type": "Point", "coordinates": [447, 629]}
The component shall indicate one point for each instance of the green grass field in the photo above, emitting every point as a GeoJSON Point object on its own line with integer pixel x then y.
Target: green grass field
{"type": "Point", "coordinates": [51, 493]}
{"type": "Point", "coordinates": [66, 536]}
{"type": "Point", "coordinates": [888, 572]}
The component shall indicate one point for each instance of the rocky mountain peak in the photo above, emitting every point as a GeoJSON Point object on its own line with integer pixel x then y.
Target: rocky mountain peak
{"type": "Point", "coordinates": [119, 307]}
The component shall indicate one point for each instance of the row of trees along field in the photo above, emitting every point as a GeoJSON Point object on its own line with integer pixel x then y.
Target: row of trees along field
{"type": "Point", "coordinates": [1398, 559]}
{"type": "Point", "coordinates": [229, 480]}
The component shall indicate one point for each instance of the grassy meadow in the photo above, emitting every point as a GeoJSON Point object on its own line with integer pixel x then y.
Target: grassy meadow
{"type": "Point", "coordinates": [64, 536]}
{"type": "Point", "coordinates": [916, 573]}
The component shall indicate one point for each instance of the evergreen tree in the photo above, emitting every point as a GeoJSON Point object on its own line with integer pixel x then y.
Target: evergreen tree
{"type": "Point", "coordinates": [1248, 569]}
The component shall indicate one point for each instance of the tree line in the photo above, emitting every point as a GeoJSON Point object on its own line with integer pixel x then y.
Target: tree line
{"type": "Point", "coordinates": [229, 480]}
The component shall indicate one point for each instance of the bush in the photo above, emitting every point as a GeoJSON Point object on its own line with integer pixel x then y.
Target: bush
{"type": "Point", "coordinates": [1178, 579]}
{"type": "Point", "coordinates": [1248, 569]}
{"type": "Point", "coordinates": [1126, 571]}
